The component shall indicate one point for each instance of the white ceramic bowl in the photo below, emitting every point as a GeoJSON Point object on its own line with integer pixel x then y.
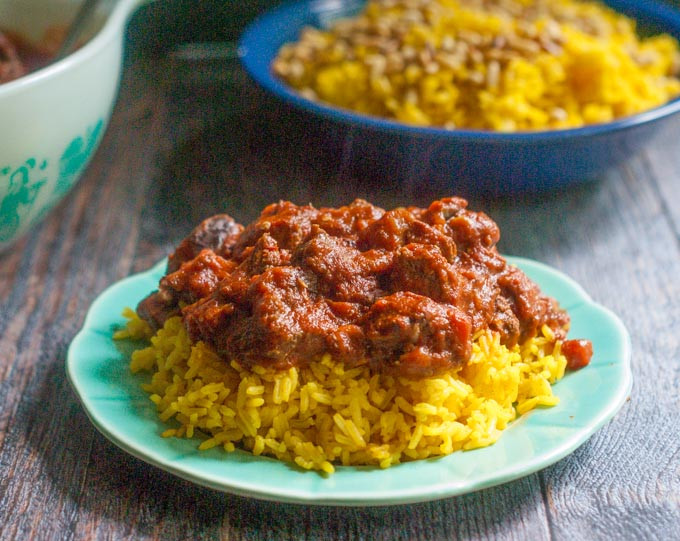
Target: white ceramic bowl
{"type": "Point", "coordinates": [52, 120]}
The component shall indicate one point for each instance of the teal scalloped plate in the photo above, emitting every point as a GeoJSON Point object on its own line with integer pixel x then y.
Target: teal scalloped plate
{"type": "Point", "coordinates": [98, 370]}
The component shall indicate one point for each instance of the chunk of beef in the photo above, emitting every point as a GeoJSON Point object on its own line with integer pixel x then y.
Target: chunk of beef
{"type": "Point", "coordinates": [285, 222]}
{"type": "Point", "coordinates": [194, 280]}
{"type": "Point", "coordinates": [265, 254]}
{"type": "Point", "coordinates": [414, 336]}
{"type": "Point", "coordinates": [439, 212]}
{"type": "Point", "coordinates": [280, 324]}
{"type": "Point", "coordinates": [338, 269]}
{"type": "Point", "coordinates": [473, 230]}
{"type": "Point", "coordinates": [532, 308]}
{"type": "Point", "coordinates": [387, 232]}
{"type": "Point", "coordinates": [349, 221]}
{"type": "Point", "coordinates": [218, 233]}
{"type": "Point", "coordinates": [422, 269]}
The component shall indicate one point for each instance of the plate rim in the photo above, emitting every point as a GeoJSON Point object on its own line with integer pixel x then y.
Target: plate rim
{"type": "Point", "coordinates": [406, 495]}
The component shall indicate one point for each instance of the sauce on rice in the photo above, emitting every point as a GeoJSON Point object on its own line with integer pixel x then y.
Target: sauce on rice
{"type": "Point", "coordinates": [403, 291]}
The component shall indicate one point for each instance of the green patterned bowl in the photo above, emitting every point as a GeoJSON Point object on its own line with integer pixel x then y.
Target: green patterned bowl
{"type": "Point", "coordinates": [52, 120]}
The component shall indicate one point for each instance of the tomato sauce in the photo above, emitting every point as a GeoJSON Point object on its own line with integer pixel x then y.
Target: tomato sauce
{"type": "Point", "coordinates": [403, 290]}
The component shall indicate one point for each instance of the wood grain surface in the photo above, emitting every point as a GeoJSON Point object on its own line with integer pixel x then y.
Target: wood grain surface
{"type": "Point", "coordinates": [190, 136]}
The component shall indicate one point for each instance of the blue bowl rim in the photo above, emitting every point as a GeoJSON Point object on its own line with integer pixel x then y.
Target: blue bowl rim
{"type": "Point", "coordinates": [259, 32]}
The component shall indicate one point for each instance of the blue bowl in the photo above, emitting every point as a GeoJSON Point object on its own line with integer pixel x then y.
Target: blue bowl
{"type": "Point", "coordinates": [466, 161]}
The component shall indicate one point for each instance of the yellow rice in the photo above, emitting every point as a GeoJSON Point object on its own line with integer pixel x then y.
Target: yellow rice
{"type": "Point", "coordinates": [504, 65]}
{"type": "Point", "coordinates": [325, 415]}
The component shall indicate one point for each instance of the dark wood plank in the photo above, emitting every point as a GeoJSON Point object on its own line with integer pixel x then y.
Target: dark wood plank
{"type": "Point", "coordinates": [661, 166]}
{"type": "Point", "coordinates": [622, 483]}
{"type": "Point", "coordinates": [619, 239]}
{"type": "Point", "coordinates": [55, 274]}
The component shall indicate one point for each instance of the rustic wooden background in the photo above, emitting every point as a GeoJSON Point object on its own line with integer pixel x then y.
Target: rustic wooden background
{"type": "Point", "coordinates": [191, 136]}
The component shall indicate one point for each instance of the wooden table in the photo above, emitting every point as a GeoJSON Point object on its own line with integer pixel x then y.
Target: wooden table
{"type": "Point", "coordinates": [191, 136]}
